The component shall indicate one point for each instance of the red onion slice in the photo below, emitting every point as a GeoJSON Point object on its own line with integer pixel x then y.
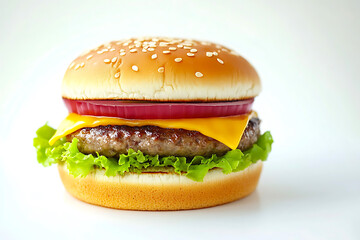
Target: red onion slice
{"type": "Point", "coordinates": [158, 110]}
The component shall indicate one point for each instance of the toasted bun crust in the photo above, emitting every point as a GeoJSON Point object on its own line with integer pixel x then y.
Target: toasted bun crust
{"type": "Point", "coordinates": [161, 69]}
{"type": "Point", "coordinates": [161, 191]}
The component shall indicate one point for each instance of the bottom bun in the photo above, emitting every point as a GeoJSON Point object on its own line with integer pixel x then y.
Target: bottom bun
{"type": "Point", "coordinates": [161, 191]}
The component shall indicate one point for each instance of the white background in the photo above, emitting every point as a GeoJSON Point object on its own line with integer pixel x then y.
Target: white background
{"type": "Point", "coordinates": [307, 54]}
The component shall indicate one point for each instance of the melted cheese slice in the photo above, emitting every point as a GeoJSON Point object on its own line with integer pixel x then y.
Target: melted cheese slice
{"type": "Point", "coordinates": [227, 130]}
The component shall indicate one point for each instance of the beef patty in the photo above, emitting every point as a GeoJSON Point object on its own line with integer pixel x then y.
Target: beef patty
{"type": "Point", "coordinates": [113, 140]}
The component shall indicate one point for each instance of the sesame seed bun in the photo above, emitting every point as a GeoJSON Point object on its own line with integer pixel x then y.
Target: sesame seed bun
{"type": "Point", "coordinates": [161, 69]}
{"type": "Point", "coordinates": [161, 191]}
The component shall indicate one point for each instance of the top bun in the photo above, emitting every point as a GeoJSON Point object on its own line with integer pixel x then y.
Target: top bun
{"type": "Point", "coordinates": [161, 69]}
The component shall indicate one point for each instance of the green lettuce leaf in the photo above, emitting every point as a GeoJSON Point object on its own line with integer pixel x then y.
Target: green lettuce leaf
{"type": "Point", "coordinates": [196, 168]}
{"type": "Point", "coordinates": [46, 154]}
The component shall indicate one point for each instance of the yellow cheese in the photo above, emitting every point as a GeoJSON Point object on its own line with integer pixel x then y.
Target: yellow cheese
{"type": "Point", "coordinates": [227, 130]}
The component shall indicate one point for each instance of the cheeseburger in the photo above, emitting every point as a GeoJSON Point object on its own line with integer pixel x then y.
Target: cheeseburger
{"type": "Point", "coordinates": [158, 124]}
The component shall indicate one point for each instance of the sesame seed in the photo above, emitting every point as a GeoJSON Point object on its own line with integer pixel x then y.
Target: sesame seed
{"type": "Point", "coordinates": [138, 45]}
{"type": "Point", "coordinates": [122, 54]}
{"type": "Point", "coordinates": [178, 59]}
{"type": "Point", "coordinates": [105, 50]}
{"type": "Point", "coordinates": [77, 66]}
{"type": "Point", "coordinates": [161, 69]}
{"type": "Point", "coordinates": [88, 57]}
{"type": "Point", "coordinates": [144, 50]}
{"type": "Point", "coordinates": [154, 56]}
{"type": "Point", "coordinates": [215, 53]}
{"type": "Point", "coordinates": [186, 47]}
{"type": "Point", "coordinates": [133, 50]}
{"type": "Point", "coordinates": [113, 49]}
{"type": "Point", "coordinates": [106, 60]}
{"type": "Point", "coordinates": [114, 59]}
{"type": "Point", "coordinates": [71, 65]}
{"type": "Point", "coordinates": [131, 46]}
{"type": "Point", "coordinates": [187, 44]}
{"type": "Point", "coordinates": [220, 61]}
{"type": "Point", "coordinates": [135, 68]}
{"type": "Point", "coordinates": [172, 48]}
{"type": "Point", "coordinates": [209, 54]}
{"type": "Point", "coordinates": [166, 52]}
{"type": "Point", "coordinates": [150, 49]}
{"type": "Point", "coordinates": [180, 46]}
{"type": "Point", "coordinates": [99, 52]}
{"type": "Point", "coordinates": [82, 64]}
{"type": "Point", "coordinates": [117, 75]}
{"type": "Point", "coordinates": [122, 50]}
{"type": "Point", "coordinates": [190, 54]}
{"type": "Point", "coordinates": [163, 44]}
{"type": "Point", "coordinates": [199, 74]}
{"type": "Point", "coordinates": [193, 50]}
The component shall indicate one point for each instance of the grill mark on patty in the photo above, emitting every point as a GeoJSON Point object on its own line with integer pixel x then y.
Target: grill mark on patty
{"type": "Point", "coordinates": [113, 140]}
